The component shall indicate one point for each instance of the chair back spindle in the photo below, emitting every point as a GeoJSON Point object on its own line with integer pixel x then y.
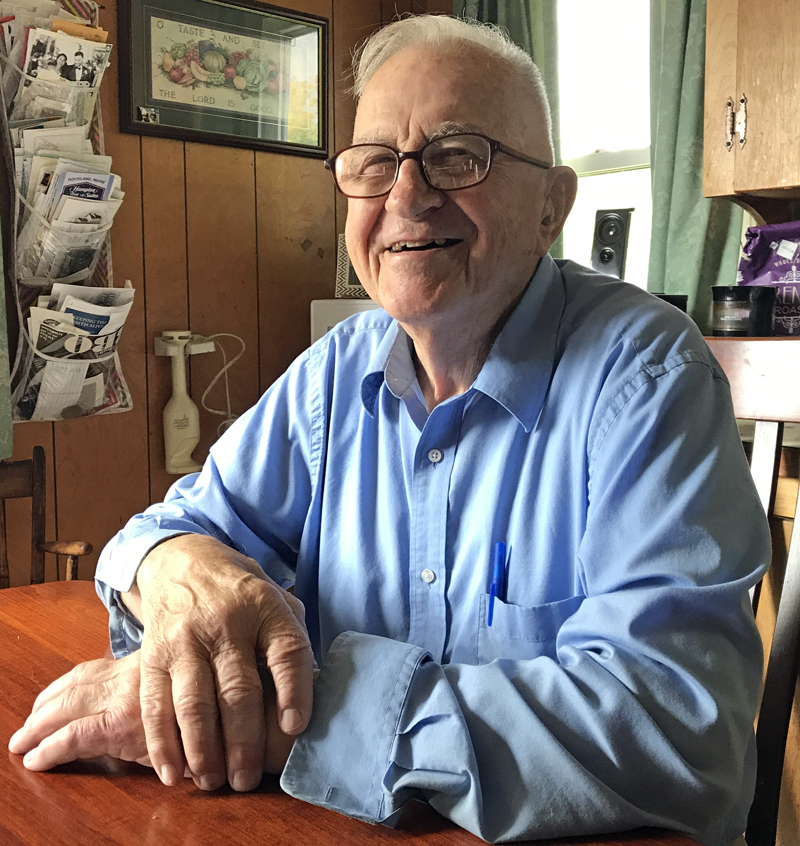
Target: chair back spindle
{"type": "Point", "coordinates": [27, 479]}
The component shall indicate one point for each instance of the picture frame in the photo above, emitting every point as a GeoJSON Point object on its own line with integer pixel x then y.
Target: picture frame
{"type": "Point", "coordinates": [241, 73]}
{"type": "Point", "coordinates": [348, 285]}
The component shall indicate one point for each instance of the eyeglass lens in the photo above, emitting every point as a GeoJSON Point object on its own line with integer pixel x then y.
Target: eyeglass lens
{"type": "Point", "coordinates": [449, 163]}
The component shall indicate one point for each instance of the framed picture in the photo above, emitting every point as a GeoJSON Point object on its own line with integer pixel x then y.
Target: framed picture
{"type": "Point", "coordinates": [242, 74]}
{"type": "Point", "coordinates": [348, 284]}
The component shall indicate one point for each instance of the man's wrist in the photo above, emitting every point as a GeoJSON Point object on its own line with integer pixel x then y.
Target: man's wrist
{"type": "Point", "coordinates": [131, 602]}
{"type": "Point", "coordinates": [145, 573]}
{"type": "Point", "coordinates": [151, 564]}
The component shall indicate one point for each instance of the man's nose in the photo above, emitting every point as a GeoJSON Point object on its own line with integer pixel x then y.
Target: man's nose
{"type": "Point", "coordinates": [411, 196]}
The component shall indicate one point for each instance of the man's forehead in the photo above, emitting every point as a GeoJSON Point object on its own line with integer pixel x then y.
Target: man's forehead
{"type": "Point", "coordinates": [366, 135]}
{"type": "Point", "coordinates": [423, 92]}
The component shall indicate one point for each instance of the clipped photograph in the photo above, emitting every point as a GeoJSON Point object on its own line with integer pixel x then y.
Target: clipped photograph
{"type": "Point", "coordinates": [54, 57]}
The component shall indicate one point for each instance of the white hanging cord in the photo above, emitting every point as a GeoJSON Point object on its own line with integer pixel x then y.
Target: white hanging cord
{"type": "Point", "coordinates": [226, 366]}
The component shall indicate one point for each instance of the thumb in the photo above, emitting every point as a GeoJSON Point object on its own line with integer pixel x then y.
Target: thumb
{"type": "Point", "coordinates": [284, 642]}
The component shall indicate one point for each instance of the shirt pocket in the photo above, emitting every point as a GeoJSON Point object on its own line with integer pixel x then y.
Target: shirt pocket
{"type": "Point", "coordinates": [520, 632]}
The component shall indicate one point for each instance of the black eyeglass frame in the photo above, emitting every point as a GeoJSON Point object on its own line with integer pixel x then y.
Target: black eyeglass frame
{"type": "Point", "coordinates": [495, 147]}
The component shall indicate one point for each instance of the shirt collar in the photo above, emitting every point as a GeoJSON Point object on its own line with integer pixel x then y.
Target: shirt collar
{"type": "Point", "coordinates": [516, 373]}
{"type": "Point", "coordinates": [393, 345]}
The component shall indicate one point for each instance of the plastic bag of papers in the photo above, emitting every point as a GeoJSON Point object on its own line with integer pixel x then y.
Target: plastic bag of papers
{"type": "Point", "coordinates": [71, 367]}
{"type": "Point", "coordinates": [52, 60]}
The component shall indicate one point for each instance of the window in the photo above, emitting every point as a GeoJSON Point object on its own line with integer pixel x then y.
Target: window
{"type": "Point", "coordinates": [604, 92]}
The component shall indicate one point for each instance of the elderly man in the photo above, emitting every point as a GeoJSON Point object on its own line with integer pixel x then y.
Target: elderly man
{"type": "Point", "coordinates": [602, 672]}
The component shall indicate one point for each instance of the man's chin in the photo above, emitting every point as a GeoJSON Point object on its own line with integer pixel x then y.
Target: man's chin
{"type": "Point", "coordinates": [414, 305]}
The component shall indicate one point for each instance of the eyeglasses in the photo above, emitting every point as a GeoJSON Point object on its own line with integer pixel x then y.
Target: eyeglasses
{"type": "Point", "coordinates": [449, 163]}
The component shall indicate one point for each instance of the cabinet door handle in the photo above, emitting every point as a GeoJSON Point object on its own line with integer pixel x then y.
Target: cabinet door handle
{"type": "Point", "coordinates": [741, 120]}
{"type": "Point", "coordinates": [730, 122]}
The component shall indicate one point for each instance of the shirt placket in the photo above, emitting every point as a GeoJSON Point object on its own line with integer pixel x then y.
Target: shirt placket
{"type": "Point", "coordinates": [428, 576]}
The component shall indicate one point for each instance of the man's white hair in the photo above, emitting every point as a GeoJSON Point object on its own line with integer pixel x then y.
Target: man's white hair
{"type": "Point", "coordinates": [455, 34]}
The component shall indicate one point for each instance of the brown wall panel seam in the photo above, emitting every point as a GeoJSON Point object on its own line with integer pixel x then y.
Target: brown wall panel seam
{"type": "Point", "coordinates": [188, 265]}
{"type": "Point", "coordinates": [258, 275]}
{"type": "Point", "coordinates": [186, 239]}
{"type": "Point", "coordinates": [144, 324]}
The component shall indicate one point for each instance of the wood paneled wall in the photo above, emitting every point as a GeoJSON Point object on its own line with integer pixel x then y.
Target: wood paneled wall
{"type": "Point", "coordinates": [217, 239]}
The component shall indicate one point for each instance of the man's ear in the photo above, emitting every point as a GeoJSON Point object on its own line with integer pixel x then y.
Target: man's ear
{"type": "Point", "coordinates": [562, 186]}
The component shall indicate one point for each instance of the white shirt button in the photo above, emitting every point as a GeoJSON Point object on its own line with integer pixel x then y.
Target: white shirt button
{"type": "Point", "coordinates": [427, 575]}
{"type": "Point", "coordinates": [434, 456]}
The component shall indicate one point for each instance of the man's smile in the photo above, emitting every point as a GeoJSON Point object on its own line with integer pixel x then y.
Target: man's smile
{"type": "Point", "coordinates": [404, 246]}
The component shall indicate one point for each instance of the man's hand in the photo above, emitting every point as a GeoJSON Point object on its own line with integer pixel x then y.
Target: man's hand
{"type": "Point", "coordinates": [208, 614]}
{"type": "Point", "coordinates": [92, 710]}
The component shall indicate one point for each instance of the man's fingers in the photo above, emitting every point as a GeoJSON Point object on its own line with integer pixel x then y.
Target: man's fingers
{"type": "Point", "coordinates": [241, 711]}
{"type": "Point", "coordinates": [52, 691]}
{"type": "Point", "coordinates": [88, 673]}
{"type": "Point", "coordinates": [207, 611]}
{"type": "Point", "coordinates": [60, 710]}
{"type": "Point", "coordinates": [195, 701]}
{"type": "Point", "coordinates": [25, 739]}
{"type": "Point", "coordinates": [296, 606]}
{"type": "Point", "coordinates": [278, 745]}
{"type": "Point", "coordinates": [294, 693]}
{"type": "Point", "coordinates": [160, 725]}
{"type": "Point", "coordinates": [69, 743]}
{"type": "Point", "coordinates": [88, 689]}
{"type": "Point", "coordinates": [291, 663]}
{"type": "Point", "coordinates": [84, 738]}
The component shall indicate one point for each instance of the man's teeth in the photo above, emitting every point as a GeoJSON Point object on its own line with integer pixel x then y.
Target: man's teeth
{"type": "Point", "coordinates": [417, 245]}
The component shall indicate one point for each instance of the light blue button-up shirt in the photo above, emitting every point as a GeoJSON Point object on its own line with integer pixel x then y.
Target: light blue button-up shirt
{"type": "Point", "coordinates": [617, 684]}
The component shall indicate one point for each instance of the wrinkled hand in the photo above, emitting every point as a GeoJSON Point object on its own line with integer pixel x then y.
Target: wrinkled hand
{"type": "Point", "coordinates": [208, 614]}
{"type": "Point", "coordinates": [92, 710]}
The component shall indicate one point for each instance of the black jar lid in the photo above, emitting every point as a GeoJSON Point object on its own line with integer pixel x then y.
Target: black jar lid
{"type": "Point", "coordinates": [740, 293]}
{"type": "Point", "coordinates": [730, 293]}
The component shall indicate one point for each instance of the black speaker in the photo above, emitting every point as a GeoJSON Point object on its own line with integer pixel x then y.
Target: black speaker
{"type": "Point", "coordinates": [610, 244]}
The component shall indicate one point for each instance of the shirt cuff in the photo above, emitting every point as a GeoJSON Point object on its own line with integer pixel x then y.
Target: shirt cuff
{"type": "Point", "coordinates": [362, 676]}
{"type": "Point", "coordinates": [124, 630]}
{"type": "Point", "coordinates": [120, 559]}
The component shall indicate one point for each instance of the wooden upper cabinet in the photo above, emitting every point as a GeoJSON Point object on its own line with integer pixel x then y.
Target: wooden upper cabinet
{"type": "Point", "coordinates": [719, 156]}
{"type": "Point", "coordinates": [752, 53]}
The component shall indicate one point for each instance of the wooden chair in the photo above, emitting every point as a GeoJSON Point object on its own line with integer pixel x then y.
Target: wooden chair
{"type": "Point", "coordinates": [27, 479]}
{"type": "Point", "coordinates": [763, 374]}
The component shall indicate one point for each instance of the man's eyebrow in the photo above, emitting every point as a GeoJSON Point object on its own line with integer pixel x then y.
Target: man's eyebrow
{"type": "Point", "coordinates": [446, 128]}
{"type": "Point", "coordinates": [371, 139]}
{"type": "Point", "coordinates": [453, 128]}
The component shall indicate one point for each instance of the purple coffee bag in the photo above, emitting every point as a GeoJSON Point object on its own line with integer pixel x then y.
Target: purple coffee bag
{"type": "Point", "coordinates": [772, 257]}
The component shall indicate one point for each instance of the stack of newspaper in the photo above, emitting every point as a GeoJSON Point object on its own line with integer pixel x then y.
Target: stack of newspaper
{"type": "Point", "coordinates": [53, 67]}
{"type": "Point", "coordinates": [72, 369]}
{"type": "Point", "coordinates": [69, 205]}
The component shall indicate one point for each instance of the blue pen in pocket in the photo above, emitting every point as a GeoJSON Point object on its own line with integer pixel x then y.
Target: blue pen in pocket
{"type": "Point", "coordinates": [498, 571]}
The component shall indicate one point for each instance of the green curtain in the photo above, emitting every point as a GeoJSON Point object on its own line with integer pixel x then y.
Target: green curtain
{"type": "Point", "coordinates": [533, 26]}
{"type": "Point", "coordinates": [695, 242]}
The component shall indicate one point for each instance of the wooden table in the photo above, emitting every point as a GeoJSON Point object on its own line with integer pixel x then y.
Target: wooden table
{"type": "Point", "coordinates": [44, 631]}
